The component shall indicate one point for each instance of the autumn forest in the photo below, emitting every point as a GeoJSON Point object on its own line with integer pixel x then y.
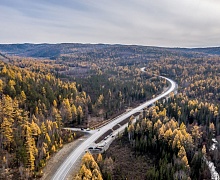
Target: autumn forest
{"type": "Point", "coordinates": [46, 87]}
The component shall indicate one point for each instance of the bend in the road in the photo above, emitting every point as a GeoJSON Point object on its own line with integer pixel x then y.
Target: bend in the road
{"type": "Point", "coordinates": [64, 169]}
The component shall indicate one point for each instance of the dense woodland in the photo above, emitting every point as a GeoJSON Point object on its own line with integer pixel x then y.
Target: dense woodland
{"type": "Point", "coordinates": [177, 142]}
{"type": "Point", "coordinates": [85, 83]}
{"type": "Point", "coordinates": [180, 132]}
{"type": "Point", "coordinates": [38, 100]}
{"type": "Point", "coordinates": [33, 109]}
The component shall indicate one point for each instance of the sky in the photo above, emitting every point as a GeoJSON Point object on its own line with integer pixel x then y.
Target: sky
{"type": "Point", "coordinates": [165, 23]}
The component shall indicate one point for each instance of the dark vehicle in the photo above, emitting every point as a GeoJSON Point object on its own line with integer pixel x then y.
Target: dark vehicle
{"type": "Point", "coordinates": [90, 148]}
{"type": "Point", "coordinates": [82, 129]}
{"type": "Point", "coordinates": [98, 148]}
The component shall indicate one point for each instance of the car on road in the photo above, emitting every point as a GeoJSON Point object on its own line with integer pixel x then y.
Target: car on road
{"type": "Point", "coordinates": [90, 148]}
{"type": "Point", "coordinates": [101, 145]}
{"type": "Point", "coordinates": [98, 148]}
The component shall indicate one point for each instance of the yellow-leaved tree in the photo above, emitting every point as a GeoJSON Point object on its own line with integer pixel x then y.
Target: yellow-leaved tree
{"type": "Point", "coordinates": [89, 168]}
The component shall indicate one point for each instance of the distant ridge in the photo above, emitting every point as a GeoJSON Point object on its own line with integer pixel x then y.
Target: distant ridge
{"type": "Point", "coordinates": [54, 51]}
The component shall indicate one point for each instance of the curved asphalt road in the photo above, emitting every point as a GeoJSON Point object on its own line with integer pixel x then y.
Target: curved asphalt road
{"type": "Point", "coordinates": [64, 169]}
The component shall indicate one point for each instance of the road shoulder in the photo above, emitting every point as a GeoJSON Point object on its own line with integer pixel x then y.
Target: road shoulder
{"type": "Point", "coordinates": [58, 158]}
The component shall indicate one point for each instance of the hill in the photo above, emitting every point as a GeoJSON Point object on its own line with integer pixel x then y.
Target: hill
{"type": "Point", "coordinates": [44, 87]}
{"type": "Point", "coordinates": [54, 51]}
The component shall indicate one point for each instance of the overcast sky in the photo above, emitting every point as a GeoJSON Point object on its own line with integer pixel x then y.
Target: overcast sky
{"type": "Point", "coordinates": [170, 23]}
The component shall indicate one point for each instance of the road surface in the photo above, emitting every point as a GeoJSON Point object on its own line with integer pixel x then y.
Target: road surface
{"type": "Point", "coordinates": [65, 168]}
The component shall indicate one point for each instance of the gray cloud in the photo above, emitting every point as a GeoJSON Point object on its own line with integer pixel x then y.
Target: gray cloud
{"type": "Point", "coordinates": [188, 23]}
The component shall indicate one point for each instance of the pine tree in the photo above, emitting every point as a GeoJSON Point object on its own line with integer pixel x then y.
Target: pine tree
{"type": "Point", "coordinates": [79, 114]}
{"type": "Point", "coordinates": [74, 112]}
{"type": "Point", "coordinates": [7, 120]}
{"type": "Point", "coordinates": [31, 150]}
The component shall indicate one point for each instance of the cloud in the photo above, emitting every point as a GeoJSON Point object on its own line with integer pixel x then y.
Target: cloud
{"type": "Point", "coordinates": [188, 23]}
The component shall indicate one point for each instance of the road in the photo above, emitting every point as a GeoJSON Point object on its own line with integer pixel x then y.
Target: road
{"type": "Point", "coordinates": [65, 168]}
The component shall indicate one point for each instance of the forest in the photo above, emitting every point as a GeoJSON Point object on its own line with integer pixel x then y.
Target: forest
{"type": "Point", "coordinates": [38, 100]}
{"type": "Point", "coordinates": [86, 85]}
{"type": "Point", "coordinates": [179, 133]}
